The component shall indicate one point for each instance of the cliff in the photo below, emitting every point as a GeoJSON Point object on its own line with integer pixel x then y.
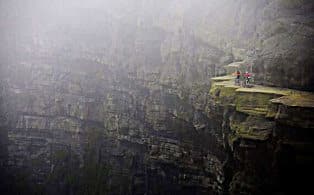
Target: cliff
{"type": "Point", "coordinates": [269, 133]}
{"type": "Point", "coordinates": [126, 97]}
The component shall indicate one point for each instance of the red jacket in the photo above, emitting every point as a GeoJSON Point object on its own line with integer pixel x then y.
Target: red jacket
{"type": "Point", "coordinates": [247, 75]}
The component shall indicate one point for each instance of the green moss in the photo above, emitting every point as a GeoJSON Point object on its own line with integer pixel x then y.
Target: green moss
{"type": "Point", "coordinates": [266, 90]}
{"type": "Point", "coordinates": [296, 99]}
{"type": "Point", "coordinates": [253, 127]}
{"type": "Point", "coordinates": [253, 102]}
{"type": "Point", "coordinates": [223, 89]}
{"type": "Point", "coordinates": [263, 101]}
{"type": "Point", "coordinates": [294, 110]}
{"type": "Point", "coordinates": [238, 127]}
{"type": "Point", "coordinates": [224, 94]}
{"type": "Point", "coordinates": [272, 110]}
{"type": "Point", "coordinates": [213, 89]}
{"type": "Point", "coordinates": [228, 90]}
{"type": "Point", "coordinates": [228, 94]}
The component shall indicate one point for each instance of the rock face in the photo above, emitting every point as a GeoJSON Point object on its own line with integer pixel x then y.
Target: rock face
{"type": "Point", "coordinates": [118, 98]}
{"type": "Point", "coordinates": [270, 151]}
{"type": "Point", "coordinates": [150, 137]}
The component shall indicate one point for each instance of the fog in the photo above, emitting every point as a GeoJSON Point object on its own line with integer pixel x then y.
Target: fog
{"type": "Point", "coordinates": [140, 96]}
{"type": "Point", "coordinates": [55, 26]}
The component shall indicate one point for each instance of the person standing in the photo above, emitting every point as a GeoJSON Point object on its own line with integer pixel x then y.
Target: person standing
{"type": "Point", "coordinates": [247, 77]}
{"type": "Point", "coordinates": [237, 79]}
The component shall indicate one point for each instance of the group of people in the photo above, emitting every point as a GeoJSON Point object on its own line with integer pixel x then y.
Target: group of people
{"type": "Point", "coordinates": [246, 78]}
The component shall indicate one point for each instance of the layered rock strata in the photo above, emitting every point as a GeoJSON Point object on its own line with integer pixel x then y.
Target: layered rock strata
{"type": "Point", "coordinates": [269, 132]}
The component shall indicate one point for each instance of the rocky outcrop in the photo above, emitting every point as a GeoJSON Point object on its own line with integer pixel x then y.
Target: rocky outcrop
{"type": "Point", "coordinates": [117, 97]}
{"type": "Point", "coordinates": [268, 131]}
{"type": "Point", "coordinates": [173, 138]}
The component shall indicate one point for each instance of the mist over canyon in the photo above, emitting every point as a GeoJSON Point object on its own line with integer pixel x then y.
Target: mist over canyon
{"type": "Point", "coordinates": [139, 97]}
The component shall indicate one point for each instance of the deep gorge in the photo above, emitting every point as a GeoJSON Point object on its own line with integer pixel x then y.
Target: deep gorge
{"type": "Point", "coordinates": [138, 97]}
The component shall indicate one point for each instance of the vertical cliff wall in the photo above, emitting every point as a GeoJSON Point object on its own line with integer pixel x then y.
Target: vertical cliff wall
{"type": "Point", "coordinates": [117, 97]}
{"type": "Point", "coordinates": [269, 133]}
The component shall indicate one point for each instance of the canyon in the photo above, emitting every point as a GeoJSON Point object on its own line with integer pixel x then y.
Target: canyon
{"type": "Point", "coordinates": [138, 97]}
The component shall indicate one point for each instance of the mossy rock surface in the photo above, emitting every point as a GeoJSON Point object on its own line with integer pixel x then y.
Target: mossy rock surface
{"type": "Point", "coordinates": [294, 110]}
{"type": "Point", "coordinates": [284, 96]}
{"type": "Point", "coordinates": [304, 100]}
{"type": "Point", "coordinates": [227, 94]}
{"type": "Point", "coordinates": [290, 107]}
{"type": "Point", "coordinates": [266, 90]}
{"type": "Point", "coordinates": [253, 127]}
{"type": "Point", "coordinates": [223, 89]}
{"type": "Point", "coordinates": [253, 103]}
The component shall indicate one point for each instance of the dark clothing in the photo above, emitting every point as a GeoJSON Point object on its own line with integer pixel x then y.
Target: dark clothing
{"type": "Point", "coordinates": [238, 74]}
